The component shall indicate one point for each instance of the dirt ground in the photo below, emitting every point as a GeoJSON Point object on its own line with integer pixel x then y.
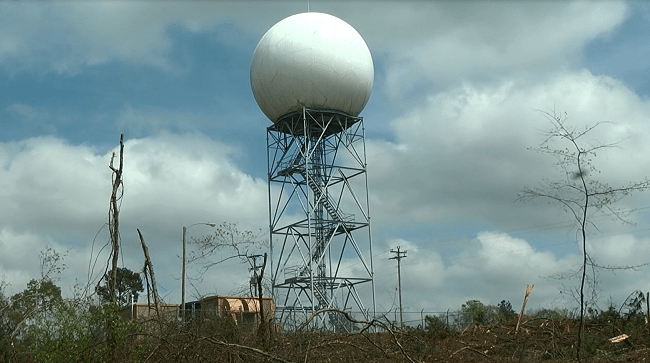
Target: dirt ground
{"type": "Point", "coordinates": [538, 340]}
{"type": "Point", "coordinates": [542, 340]}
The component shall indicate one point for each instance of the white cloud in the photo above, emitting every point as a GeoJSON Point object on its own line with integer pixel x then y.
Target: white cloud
{"type": "Point", "coordinates": [496, 266]}
{"type": "Point", "coordinates": [81, 34]}
{"type": "Point", "coordinates": [67, 37]}
{"type": "Point", "coordinates": [46, 184]}
{"type": "Point", "coordinates": [492, 267]}
{"type": "Point", "coordinates": [403, 244]}
{"type": "Point", "coordinates": [53, 191]}
{"type": "Point", "coordinates": [445, 43]}
{"type": "Point", "coordinates": [441, 41]}
{"type": "Point", "coordinates": [464, 154]}
{"type": "Point", "coordinates": [461, 158]}
{"type": "Point", "coordinates": [177, 173]}
{"type": "Point", "coordinates": [19, 261]}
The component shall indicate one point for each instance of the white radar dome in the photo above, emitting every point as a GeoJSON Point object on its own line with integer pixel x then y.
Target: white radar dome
{"type": "Point", "coordinates": [313, 60]}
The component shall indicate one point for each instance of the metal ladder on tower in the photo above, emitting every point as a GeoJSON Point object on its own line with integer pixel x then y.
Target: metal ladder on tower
{"type": "Point", "coordinates": [317, 185]}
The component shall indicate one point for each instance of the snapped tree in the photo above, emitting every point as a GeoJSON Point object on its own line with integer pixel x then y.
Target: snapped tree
{"type": "Point", "coordinates": [577, 191]}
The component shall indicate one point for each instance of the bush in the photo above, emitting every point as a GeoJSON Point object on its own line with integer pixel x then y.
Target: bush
{"type": "Point", "coordinates": [76, 332]}
{"type": "Point", "coordinates": [437, 327]}
{"type": "Point", "coordinates": [505, 313]}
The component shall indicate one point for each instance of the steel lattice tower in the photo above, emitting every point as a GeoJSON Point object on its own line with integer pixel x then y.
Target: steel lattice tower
{"type": "Point", "coordinates": [321, 246]}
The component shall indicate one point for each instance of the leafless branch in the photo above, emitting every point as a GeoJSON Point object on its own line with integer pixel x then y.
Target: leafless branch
{"type": "Point", "coordinates": [244, 347]}
{"type": "Point", "coordinates": [367, 324]}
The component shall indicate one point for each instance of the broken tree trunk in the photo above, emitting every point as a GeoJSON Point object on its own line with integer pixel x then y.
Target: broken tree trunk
{"type": "Point", "coordinates": [149, 266]}
{"type": "Point", "coordinates": [113, 216]}
{"type": "Point", "coordinates": [263, 323]}
{"type": "Point", "coordinates": [529, 289]}
{"type": "Point", "coordinates": [113, 227]}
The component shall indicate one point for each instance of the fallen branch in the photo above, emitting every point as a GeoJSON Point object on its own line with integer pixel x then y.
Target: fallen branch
{"type": "Point", "coordinates": [255, 350]}
{"type": "Point", "coordinates": [337, 341]}
{"type": "Point", "coordinates": [368, 324]}
{"type": "Point", "coordinates": [472, 349]}
{"type": "Point", "coordinates": [307, 351]}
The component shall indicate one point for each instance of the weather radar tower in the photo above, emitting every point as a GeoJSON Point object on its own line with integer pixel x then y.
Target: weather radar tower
{"type": "Point", "coordinates": [312, 75]}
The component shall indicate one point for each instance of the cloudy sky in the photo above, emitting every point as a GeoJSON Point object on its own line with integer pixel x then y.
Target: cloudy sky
{"type": "Point", "coordinates": [453, 113]}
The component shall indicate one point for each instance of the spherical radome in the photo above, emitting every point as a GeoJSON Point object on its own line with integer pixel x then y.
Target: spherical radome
{"type": "Point", "coordinates": [313, 60]}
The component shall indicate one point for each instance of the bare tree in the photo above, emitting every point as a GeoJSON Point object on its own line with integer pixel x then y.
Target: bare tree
{"type": "Point", "coordinates": [228, 242]}
{"type": "Point", "coordinates": [577, 191]}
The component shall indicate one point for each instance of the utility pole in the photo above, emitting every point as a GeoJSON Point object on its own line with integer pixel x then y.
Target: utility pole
{"type": "Point", "coordinates": [183, 278]}
{"type": "Point", "coordinates": [253, 281]}
{"type": "Point", "coordinates": [183, 268]}
{"type": "Point", "coordinates": [398, 256]}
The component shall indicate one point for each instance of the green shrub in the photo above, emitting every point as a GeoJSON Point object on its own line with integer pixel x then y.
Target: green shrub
{"type": "Point", "coordinates": [75, 332]}
{"type": "Point", "coordinates": [437, 327]}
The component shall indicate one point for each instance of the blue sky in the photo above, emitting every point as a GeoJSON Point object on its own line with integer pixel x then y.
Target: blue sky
{"type": "Point", "coordinates": [448, 124]}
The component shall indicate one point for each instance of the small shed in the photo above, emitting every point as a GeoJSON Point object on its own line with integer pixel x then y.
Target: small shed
{"type": "Point", "coordinates": [145, 311]}
{"type": "Point", "coordinates": [244, 310]}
